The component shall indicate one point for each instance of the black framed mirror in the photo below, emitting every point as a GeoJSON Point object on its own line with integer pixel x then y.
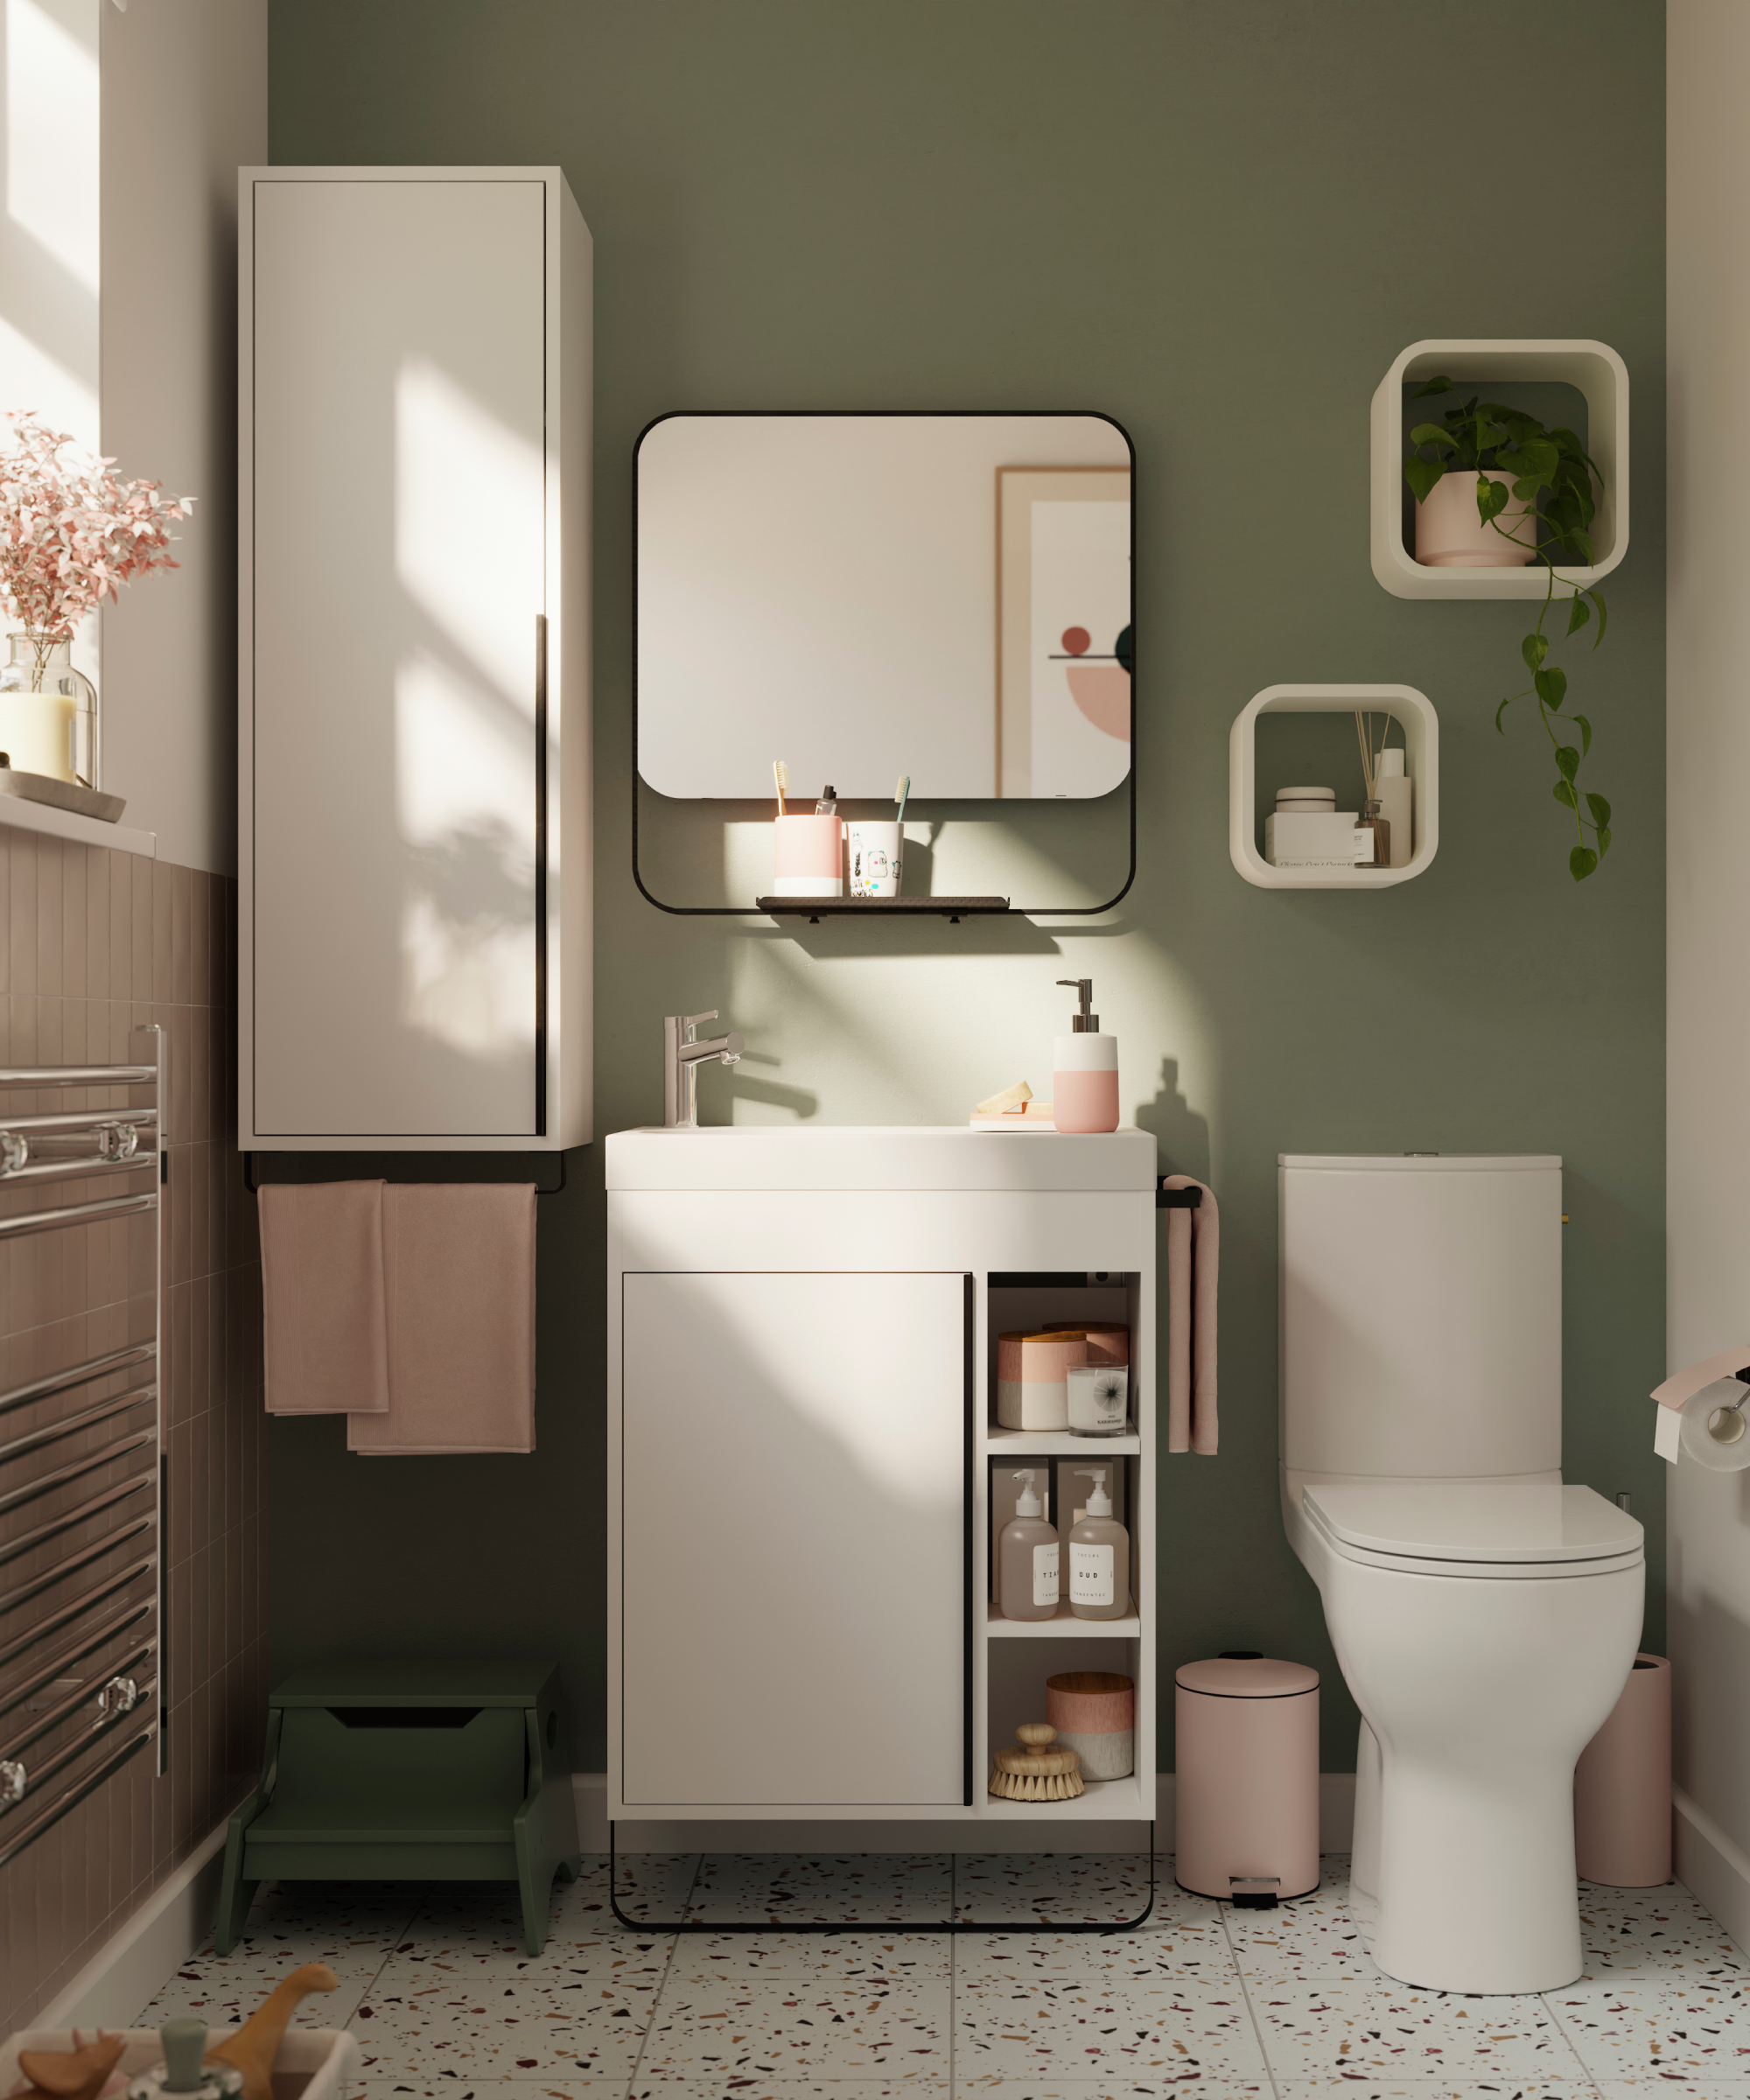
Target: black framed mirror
{"type": "Point", "coordinates": [875, 598]}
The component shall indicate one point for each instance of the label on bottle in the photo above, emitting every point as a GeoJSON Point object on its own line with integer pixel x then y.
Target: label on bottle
{"type": "Point", "coordinates": [1091, 1574]}
{"type": "Point", "coordinates": [1045, 1574]}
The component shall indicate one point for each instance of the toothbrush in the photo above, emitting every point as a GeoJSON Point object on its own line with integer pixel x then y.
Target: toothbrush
{"type": "Point", "coordinates": [780, 774]}
{"type": "Point", "coordinates": [902, 791]}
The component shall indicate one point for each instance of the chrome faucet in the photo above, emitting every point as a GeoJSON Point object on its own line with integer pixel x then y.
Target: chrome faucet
{"type": "Point", "coordinates": [682, 1054]}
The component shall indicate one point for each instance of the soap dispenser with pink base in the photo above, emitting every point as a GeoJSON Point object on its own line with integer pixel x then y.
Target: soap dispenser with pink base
{"type": "Point", "coordinates": [1084, 1087]}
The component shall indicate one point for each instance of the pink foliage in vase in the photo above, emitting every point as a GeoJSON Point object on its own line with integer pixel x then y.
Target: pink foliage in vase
{"type": "Point", "coordinates": [70, 533]}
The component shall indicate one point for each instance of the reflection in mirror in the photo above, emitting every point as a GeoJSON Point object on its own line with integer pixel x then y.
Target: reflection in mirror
{"type": "Point", "coordinates": [946, 597]}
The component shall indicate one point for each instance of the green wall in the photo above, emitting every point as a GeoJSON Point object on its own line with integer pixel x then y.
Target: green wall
{"type": "Point", "coordinates": [1219, 223]}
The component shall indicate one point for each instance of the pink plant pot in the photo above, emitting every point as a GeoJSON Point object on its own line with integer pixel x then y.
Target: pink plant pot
{"type": "Point", "coordinates": [1449, 535]}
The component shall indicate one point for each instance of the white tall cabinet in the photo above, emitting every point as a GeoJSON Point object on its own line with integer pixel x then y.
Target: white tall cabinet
{"type": "Point", "coordinates": [415, 849]}
{"type": "Point", "coordinates": [802, 1445]}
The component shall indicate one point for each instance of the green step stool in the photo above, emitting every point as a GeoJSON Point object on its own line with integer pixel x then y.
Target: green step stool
{"type": "Point", "coordinates": [408, 1772]}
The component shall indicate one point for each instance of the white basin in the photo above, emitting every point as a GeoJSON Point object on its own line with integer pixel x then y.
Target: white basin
{"type": "Point", "coordinates": [949, 1156]}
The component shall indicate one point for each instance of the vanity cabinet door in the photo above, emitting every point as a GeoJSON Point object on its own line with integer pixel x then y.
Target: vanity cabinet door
{"type": "Point", "coordinates": [793, 1524]}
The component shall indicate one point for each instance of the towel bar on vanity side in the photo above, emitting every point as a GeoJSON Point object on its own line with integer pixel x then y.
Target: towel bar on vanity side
{"type": "Point", "coordinates": [1176, 1199]}
{"type": "Point", "coordinates": [252, 1181]}
{"type": "Point", "coordinates": [90, 1683]}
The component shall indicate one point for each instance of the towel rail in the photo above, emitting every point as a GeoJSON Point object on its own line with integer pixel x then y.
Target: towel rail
{"type": "Point", "coordinates": [79, 1374]}
{"type": "Point", "coordinates": [46, 1719]}
{"type": "Point", "coordinates": [69, 1519]}
{"type": "Point", "coordinates": [81, 1119]}
{"type": "Point", "coordinates": [80, 1076]}
{"type": "Point", "coordinates": [86, 1167]}
{"type": "Point", "coordinates": [87, 1644]}
{"type": "Point", "coordinates": [106, 1645]}
{"type": "Point", "coordinates": [45, 1483]}
{"type": "Point", "coordinates": [17, 1779]}
{"type": "Point", "coordinates": [75, 1213]}
{"type": "Point", "coordinates": [35, 1439]}
{"type": "Point", "coordinates": [84, 1558]}
{"type": "Point", "coordinates": [68, 1613]}
{"type": "Point", "coordinates": [77, 1792]}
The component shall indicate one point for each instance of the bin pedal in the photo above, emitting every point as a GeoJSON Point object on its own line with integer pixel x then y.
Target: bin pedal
{"type": "Point", "coordinates": [1254, 1892]}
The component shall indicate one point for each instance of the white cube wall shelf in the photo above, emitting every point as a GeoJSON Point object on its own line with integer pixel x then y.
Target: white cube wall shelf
{"type": "Point", "coordinates": [1422, 741]}
{"type": "Point", "coordinates": [1598, 371]}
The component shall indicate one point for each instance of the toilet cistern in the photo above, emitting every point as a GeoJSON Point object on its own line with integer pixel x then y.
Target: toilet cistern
{"type": "Point", "coordinates": [682, 1054]}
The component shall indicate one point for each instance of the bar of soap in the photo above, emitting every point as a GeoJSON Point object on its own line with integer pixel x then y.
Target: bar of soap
{"type": "Point", "coordinates": [1010, 1098]}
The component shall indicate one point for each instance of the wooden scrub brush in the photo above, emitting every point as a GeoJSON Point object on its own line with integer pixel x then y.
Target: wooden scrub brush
{"type": "Point", "coordinates": [1036, 1772]}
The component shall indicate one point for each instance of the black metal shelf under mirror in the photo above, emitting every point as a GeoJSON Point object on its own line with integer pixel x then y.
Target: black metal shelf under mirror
{"type": "Point", "coordinates": [919, 615]}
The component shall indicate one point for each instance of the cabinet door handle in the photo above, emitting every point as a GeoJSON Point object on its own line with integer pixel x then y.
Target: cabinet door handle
{"type": "Point", "coordinates": [540, 874]}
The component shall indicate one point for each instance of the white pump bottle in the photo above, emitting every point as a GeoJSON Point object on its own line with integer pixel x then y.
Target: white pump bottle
{"type": "Point", "coordinates": [1099, 1555]}
{"type": "Point", "coordinates": [1027, 1570]}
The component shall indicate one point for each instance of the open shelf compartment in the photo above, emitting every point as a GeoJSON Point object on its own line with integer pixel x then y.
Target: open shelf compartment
{"type": "Point", "coordinates": [1593, 368]}
{"type": "Point", "coordinates": [1421, 727]}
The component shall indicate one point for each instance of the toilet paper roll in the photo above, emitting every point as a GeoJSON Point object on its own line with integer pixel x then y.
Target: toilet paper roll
{"type": "Point", "coordinates": [1716, 1431]}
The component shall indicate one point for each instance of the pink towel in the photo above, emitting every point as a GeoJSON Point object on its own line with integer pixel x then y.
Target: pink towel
{"type": "Point", "coordinates": [1193, 1249]}
{"type": "Point", "coordinates": [459, 1266]}
{"type": "Point", "coordinates": [326, 1338]}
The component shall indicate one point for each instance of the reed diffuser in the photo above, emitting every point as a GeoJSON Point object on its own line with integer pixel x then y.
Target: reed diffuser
{"type": "Point", "coordinates": [1372, 821]}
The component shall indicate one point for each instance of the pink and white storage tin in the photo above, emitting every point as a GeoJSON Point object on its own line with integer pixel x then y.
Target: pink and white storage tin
{"type": "Point", "coordinates": [1032, 1371]}
{"type": "Point", "coordinates": [1095, 1714]}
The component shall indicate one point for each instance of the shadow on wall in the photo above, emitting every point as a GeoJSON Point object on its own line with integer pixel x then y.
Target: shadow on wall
{"type": "Point", "coordinates": [1181, 1135]}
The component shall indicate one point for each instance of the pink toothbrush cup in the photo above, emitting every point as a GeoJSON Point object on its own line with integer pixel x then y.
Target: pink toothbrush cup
{"type": "Point", "coordinates": [808, 858]}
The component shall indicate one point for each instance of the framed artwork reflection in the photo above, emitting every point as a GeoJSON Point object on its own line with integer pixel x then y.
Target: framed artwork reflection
{"type": "Point", "coordinates": [1063, 630]}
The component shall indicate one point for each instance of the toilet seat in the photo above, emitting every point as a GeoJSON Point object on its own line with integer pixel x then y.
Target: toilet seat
{"type": "Point", "coordinates": [1480, 1530]}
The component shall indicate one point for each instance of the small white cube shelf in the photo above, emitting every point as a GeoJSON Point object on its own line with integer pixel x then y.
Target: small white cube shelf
{"type": "Point", "coordinates": [1422, 741]}
{"type": "Point", "coordinates": [1600, 376]}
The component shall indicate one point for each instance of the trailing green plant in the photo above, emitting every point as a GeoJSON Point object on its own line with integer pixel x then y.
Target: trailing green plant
{"type": "Point", "coordinates": [1549, 468]}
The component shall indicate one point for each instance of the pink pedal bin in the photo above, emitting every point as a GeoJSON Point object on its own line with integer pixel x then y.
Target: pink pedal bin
{"type": "Point", "coordinates": [1623, 1786]}
{"type": "Point", "coordinates": [1246, 1791]}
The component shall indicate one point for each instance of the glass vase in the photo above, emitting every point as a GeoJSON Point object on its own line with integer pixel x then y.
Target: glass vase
{"type": "Point", "coordinates": [48, 711]}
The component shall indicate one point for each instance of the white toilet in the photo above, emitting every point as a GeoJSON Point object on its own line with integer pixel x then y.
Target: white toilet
{"type": "Point", "coordinates": [1485, 1616]}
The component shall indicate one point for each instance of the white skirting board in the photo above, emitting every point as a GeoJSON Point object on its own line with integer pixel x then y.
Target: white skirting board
{"type": "Point", "coordinates": [1712, 1868]}
{"type": "Point", "coordinates": [1336, 1817]}
{"type": "Point", "coordinates": [129, 1970]}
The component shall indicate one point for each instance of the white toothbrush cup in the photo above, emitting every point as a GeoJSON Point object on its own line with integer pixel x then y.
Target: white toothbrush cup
{"type": "Point", "coordinates": [877, 854]}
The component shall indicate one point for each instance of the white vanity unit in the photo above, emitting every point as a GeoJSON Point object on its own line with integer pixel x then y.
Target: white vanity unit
{"type": "Point", "coordinates": [802, 1435]}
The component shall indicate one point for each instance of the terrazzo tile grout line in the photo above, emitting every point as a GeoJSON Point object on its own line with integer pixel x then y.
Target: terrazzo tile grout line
{"type": "Point", "coordinates": [1222, 1912]}
{"type": "Point", "coordinates": [667, 1968]}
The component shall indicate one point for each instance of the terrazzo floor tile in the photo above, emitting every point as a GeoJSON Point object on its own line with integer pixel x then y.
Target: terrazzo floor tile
{"type": "Point", "coordinates": [1297, 1944]}
{"type": "Point", "coordinates": [849, 1956]}
{"type": "Point", "coordinates": [1355, 2088]}
{"type": "Point", "coordinates": [1184, 1953]}
{"type": "Point", "coordinates": [290, 1924]}
{"type": "Point", "coordinates": [1386, 2032]}
{"type": "Point", "coordinates": [1645, 1934]}
{"type": "Point", "coordinates": [1072, 2031]}
{"type": "Point", "coordinates": [736, 2085]}
{"type": "Point", "coordinates": [870, 1887]}
{"type": "Point", "coordinates": [1118, 2088]}
{"type": "Point", "coordinates": [653, 1890]}
{"type": "Point", "coordinates": [427, 1957]}
{"type": "Point", "coordinates": [1659, 2030]}
{"type": "Point", "coordinates": [1093, 1887]}
{"type": "Point", "coordinates": [766, 2029]}
{"type": "Point", "coordinates": [486, 2089]}
{"type": "Point", "coordinates": [446, 2030]}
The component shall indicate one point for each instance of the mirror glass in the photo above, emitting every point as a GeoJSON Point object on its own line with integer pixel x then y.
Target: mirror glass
{"type": "Point", "coordinates": [864, 597]}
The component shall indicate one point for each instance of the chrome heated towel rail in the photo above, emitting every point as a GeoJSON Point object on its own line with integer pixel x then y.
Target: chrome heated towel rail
{"type": "Point", "coordinates": [83, 1466]}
